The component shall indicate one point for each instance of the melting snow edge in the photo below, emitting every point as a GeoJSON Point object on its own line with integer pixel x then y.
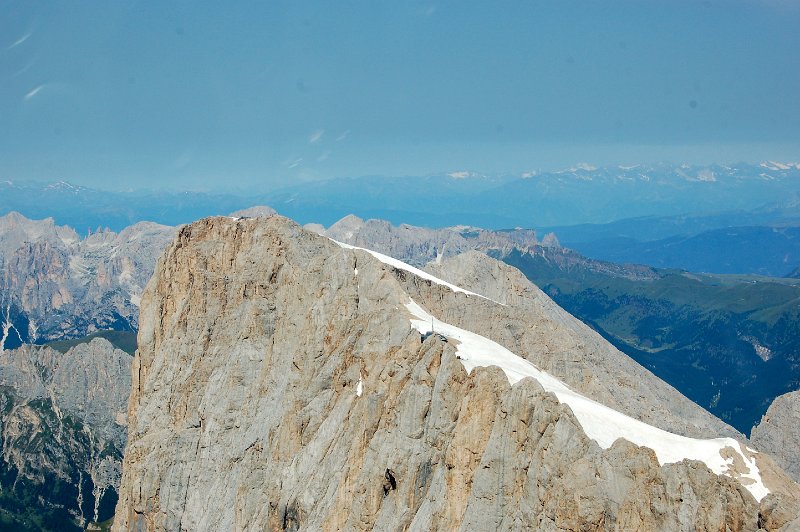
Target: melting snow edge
{"type": "Point", "coordinates": [601, 423]}
{"type": "Point", "coordinates": [411, 269]}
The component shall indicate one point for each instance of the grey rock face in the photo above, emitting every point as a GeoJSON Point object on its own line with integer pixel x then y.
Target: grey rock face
{"type": "Point", "coordinates": [63, 424]}
{"type": "Point", "coordinates": [564, 346]}
{"type": "Point", "coordinates": [419, 245]}
{"type": "Point", "coordinates": [278, 385]}
{"type": "Point", "coordinates": [259, 211]}
{"type": "Point", "coordinates": [778, 433]}
{"type": "Point", "coordinates": [55, 285]}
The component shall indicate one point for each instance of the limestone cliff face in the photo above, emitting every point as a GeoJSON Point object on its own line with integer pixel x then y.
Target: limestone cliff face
{"type": "Point", "coordinates": [279, 385]}
{"type": "Point", "coordinates": [779, 432]}
{"type": "Point", "coordinates": [55, 285]}
{"type": "Point", "coordinates": [62, 430]}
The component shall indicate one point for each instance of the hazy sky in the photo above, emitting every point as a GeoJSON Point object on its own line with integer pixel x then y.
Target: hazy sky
{"type": "Point", "coordinates": [127, 94]}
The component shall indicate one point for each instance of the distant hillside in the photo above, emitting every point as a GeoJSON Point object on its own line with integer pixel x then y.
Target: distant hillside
{"type": "Point", "coordinates": [731, 344]}
{"type": "Point", "coordinates": [771, 251]}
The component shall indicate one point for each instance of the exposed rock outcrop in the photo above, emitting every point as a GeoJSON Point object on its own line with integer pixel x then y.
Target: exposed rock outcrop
{"type": "Point", "coordinates": [63, 429]}
{"type": "Point", "coordinates": [564, 346]}
{"type": "Point", "coordinates": [420, 245]}
{"type": "Point", "coordinates": [54, 284]}
{"type": "Point", "coordinates": [778, 433]}
{"type": "Point", "coordinates": [279, 384]}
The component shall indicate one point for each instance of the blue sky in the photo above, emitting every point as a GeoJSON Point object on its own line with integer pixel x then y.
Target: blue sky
{"type": "Point", "coordinates": [188, 94]}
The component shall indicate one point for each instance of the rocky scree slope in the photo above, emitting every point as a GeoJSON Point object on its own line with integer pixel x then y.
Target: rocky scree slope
{"type": "Point", "coordinates": [62, 434]}
{"type": "Point", "coordinates": [282, 382]}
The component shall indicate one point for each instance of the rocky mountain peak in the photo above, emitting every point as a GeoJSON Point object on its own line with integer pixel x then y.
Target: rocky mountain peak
{"type": "Point", "coordinates": [56, 285]}
{"type": "Point", "coordinates": [16, 229]}
{"type": "Point", "coordinates": [286, 381]}
{"type": "Point", "coordinates": [254, 212]}
{"type": "Point", "coordinates": [349, 223]}
{"type": "Point", "coordinates": [419, 245]}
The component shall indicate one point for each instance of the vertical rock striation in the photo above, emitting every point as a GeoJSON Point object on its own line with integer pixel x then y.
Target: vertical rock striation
{"type": "Point", "coordinates": [279, 385]}
{"type": "Point", "coordinates": [56, 285]}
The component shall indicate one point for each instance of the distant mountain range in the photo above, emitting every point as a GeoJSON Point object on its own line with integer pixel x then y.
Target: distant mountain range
{"type": "Point", "coordinates": [580, 195]}
{"type": "Point", "coordinates": [56, 285]}
{"type": "Point", "coordinates": [761, 250]}
{"type": "Point", "coordinates": [661, 215]}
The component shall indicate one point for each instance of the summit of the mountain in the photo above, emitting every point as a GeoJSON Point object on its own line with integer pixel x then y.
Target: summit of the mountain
{"type": "Point", "coordinates": [287, 381]}
{"type": "Point", "coordinates": [254, 212]}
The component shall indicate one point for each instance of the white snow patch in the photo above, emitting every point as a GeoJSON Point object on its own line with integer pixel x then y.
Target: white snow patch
{"type": "Point", "coordinates": [416, 271]}
{"type": "Point", "coordinates": [463, 174]}
{"type": "Point", "coordinates": [601, 423]}
{"type": "Point", "coordinates": [774, 165]}
{"type": "Point", "coordinates": [355, 271]}
{"type": "Point", "coordinates": [586, 167]}
{"type": "Point", "coordinates": [706, 175]}
{"type": "Point", "coordinates": [360, 386]}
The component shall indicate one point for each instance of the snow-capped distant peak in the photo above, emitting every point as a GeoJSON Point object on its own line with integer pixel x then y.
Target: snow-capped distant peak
{"type": "Point", "coordinates": [706, 175]}
{"type": "Point", "coordinates": [773, 165]}
{"type": "Point", "coordinates": [585, 166]}
{"type": "Point", "coordinates": [462, 174]}
{"type": "Point", "coordinates": [62, 185]}
{"type": "Point", "coordinates": [581, 169]}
